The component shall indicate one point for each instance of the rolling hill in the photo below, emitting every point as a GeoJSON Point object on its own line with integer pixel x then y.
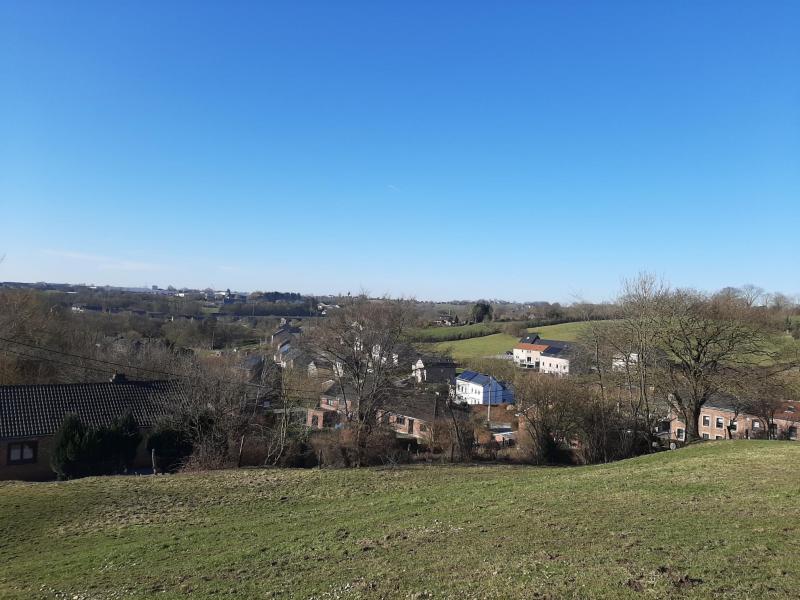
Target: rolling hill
{"type": "Point", "coordinates": [719, 519]}
{"type": "Point", "coordinates": [499, 343]}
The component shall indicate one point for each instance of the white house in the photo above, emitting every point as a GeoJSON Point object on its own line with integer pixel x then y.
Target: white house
{"type": "Point", "coordinates": [554, 360]}
{"type": "Point", "coordinates": [546, 356]}
{"type": "Point", "coordinates": [527, 352]}
{"type": "Point", "coordinates": [477, 388]}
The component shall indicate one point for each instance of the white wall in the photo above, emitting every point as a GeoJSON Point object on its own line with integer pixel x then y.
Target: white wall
{"type": "Point", "coordinates": [554, 365]}
{"type": "Point", "coordinates": [521, 357]}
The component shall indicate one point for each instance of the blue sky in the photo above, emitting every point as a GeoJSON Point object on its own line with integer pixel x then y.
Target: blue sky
{"type": "Point", "coordinates": [518, 150]}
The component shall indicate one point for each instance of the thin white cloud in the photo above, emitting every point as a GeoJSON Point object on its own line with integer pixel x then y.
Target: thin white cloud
{"type": "Point", "coordinates": [394, 188]}
{"type": "Point", "coordinates": [105, 263]}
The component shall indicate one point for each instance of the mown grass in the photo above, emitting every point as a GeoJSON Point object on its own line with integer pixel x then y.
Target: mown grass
{"type": "Point", "coordinates": [715, 520]}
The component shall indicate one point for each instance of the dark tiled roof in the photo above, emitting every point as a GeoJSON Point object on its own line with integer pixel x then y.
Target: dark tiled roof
{"type": "Point", "coordinates": [531, 338]}
{"type": "Point", "coordinates": [435, 361]}
{"type": "Point", "coordinates": [37, 410]}
{"type": "Point", "coordinates": [558, 343]}
{"type": "Point", "coordinates": [424, 407]}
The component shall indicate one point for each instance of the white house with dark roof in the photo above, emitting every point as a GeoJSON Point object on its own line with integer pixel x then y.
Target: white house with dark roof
{"type": "Point", "coordinates": [472, 387]}
{"type": "Point", "coordinates": [554, 360]}
{"type": "Point", "coordinates": [545, 356]}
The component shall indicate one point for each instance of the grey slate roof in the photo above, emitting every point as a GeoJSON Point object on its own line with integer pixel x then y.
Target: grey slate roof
{"type": "Point", "coordinates": [531, 338]}
{"type": "Point", "coordinates": [422, 406]}
{"type": "Point", "coordinates": [38, 410]}
{"type": "Point", "coordinates": [435, 361]}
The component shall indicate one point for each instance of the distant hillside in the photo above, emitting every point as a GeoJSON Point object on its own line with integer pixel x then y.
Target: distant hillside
{"type": "Point", "coordinates": [566, 332]}
{"type": "Point", "coordinates": [479, 347]}
{"type": "Point", "coordinates": [500, 343]}
{"type": "Point", "coordinates": [458, 332]}
{"type": "Point", "coordinates": [711, 521]}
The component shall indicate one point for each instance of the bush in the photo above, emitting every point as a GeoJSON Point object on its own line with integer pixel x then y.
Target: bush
{"type": "Point", "coordinates": [67, 455]}
{"type": "Point", "coordinates": [336, 448]}
{"type": "Point", "coordinates": [297, 453]}
{"type": "Point", "coordinates": [170, 446]}
{"type": "Point", "coordinates": [79, 451]}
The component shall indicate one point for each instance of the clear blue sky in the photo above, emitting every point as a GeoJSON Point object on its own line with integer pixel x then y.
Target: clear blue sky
{"type": "Point", "coordinates": [519, 150]}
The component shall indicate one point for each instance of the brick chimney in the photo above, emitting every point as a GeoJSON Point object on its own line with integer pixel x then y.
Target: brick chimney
{"type": "Point", "coordinates": [118, 378]}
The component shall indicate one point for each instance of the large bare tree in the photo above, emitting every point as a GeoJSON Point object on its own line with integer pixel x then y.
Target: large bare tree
{"type": "Point", "coordinates": [707, 340]}
{"type": "Point", "coordinates": [364, 343]}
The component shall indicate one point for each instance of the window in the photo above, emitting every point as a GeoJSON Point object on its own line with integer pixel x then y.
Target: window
{"type": "Point", "coordinates": [21, 453]}
{"type": "Point", "coordinates": [399, 420]}
{"type": "Point", "coordinates": [717, 437]}
{"type": "Point", "coordinates": [706, 421]}
{"type": "Point", "coordinates": [792, 432]}
{"type": "Point", "coordinates": [680, 433]}
{"type": "Point", "coordinates": [423, 428]}
{"type": "Point", "coordinates": [705, 436]}
{"type": "Point", "coordinates": [720, 422]}
{"type": "Point", "coordinates": [756, 425]}
{"type": "Point", "coordinates": [734, 426]}
{"type": "Point", "coordinates": [314, 421]}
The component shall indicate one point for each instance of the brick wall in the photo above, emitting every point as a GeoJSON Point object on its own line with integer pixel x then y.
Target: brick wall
{"type": "Point", "coordinates": [40, 470]}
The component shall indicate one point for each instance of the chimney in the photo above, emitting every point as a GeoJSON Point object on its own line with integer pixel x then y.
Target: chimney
{"type": "Point", "coordinates": [118, 378]}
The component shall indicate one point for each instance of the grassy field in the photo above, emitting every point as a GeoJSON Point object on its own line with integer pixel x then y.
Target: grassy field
{"type": "Point", "coordinates": [488, 345]}
{"type": "Point", "coordinates": [436, 334]}
{"type": "Point", "coordinates": [565, 332]}
{"type": "Point", "coordinates": [716, 520]}
{"type": "Point", "coordinates": [499, 343]}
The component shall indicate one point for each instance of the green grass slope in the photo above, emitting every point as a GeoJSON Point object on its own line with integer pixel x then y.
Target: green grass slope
{"type": "Point", "coordinates": [565, 332]}
{"type": "Point", "coordinates": [715, 520]}
{"type": "Point", "coordinates": [479, 347]}
{"type": "Point", "coordinates": [458, 332]}
{"type": "Point", "coordinates": [500, 343]}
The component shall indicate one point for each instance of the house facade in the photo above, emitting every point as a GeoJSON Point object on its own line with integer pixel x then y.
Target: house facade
{"type": "Point", "coordinates": [554, 360]}
{"type": "Point", "coordinates": [30, 416]}
{"type": "Point", "coordinates": [472, 387]}
{"type": "Point", "coordinates": [546, 356]}
{"type": "Point", "coordinates": [333, 408]}
{"type": "Point", "coordinates": [719, 420]}
{"type": "Point", "coordinates": [414, 415]}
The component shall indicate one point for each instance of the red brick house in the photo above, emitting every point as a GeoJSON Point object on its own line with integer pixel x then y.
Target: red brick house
{"type": "Point", "coordinates": [30, 415]}
{"type": "Point", "coordinates": [720, 420]}
{"type": "Point", "coordinates": [414, 416]}
{"type": "Point", "coordinates": [334, 404]}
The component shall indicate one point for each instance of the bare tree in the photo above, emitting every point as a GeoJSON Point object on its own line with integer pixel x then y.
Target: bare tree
{"type": "Point", "coordinates": [707, 340]}
{"type": "Point", "coordinates": [364, 341]}
{"type": "Point", "coordinates": [546, 409]}
{"type": "Point", "coordinates": [622, 358]}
